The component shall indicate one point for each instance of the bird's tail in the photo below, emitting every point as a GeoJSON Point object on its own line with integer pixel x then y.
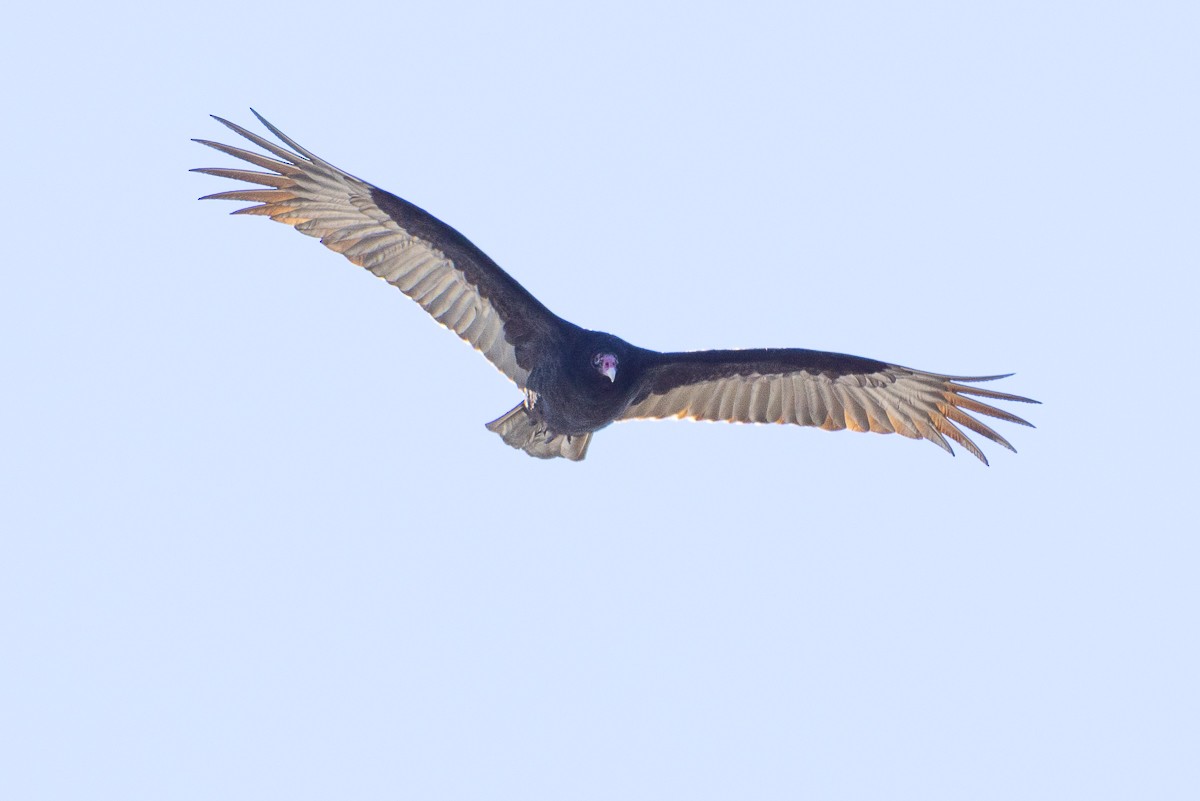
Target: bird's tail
{"type": "Point", "coordinates": [519, 429]}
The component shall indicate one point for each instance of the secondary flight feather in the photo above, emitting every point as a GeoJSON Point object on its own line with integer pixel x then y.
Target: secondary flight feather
{"type": "Point", "coordinates": [578, 381]}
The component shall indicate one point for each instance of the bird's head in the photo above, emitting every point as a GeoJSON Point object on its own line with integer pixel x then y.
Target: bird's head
{"type": "Point", "coordinates": [606, 365]}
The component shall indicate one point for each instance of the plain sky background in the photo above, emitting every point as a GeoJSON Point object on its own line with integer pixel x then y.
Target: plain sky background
{"type": "Point", "coordinates": [256, 542]}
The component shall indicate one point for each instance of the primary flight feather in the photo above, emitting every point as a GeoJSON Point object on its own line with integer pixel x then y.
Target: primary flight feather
{"type": "Point", "coordinates": [578, 381]}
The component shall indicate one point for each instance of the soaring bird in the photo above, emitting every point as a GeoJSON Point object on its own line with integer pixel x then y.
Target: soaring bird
{"type": "Point", "coordinates": [577, 381]}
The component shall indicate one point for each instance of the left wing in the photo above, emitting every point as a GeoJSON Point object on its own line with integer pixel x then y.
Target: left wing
{"type": "Point", "coordinates": [812, 388]}
{"type": "Point", "coordinates": [411, 249]}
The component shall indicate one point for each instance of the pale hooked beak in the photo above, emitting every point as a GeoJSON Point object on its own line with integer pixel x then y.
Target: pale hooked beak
{"type": "Point", "coordinates": [606, 363]}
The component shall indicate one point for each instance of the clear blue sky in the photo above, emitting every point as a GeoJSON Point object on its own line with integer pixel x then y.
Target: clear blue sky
{"type": "Point", "coordinates": [256, 543]}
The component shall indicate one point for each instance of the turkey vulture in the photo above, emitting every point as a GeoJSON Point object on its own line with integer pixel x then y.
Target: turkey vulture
{"type": "Point", "coordinates": [578, 381]}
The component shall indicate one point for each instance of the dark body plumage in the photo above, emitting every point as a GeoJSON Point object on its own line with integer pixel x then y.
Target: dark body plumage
{"type": "Point", "coordinates": [577, 381]}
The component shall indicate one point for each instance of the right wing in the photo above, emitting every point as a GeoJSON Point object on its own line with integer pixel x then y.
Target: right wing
{"type": "Point", "coordinates": [813, 388]}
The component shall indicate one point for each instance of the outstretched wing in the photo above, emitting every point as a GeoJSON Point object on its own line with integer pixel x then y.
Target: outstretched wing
{"type": "Point", "coordinates": [812, 388]}
{"type": "Point", "coordinates": [411, 249]}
